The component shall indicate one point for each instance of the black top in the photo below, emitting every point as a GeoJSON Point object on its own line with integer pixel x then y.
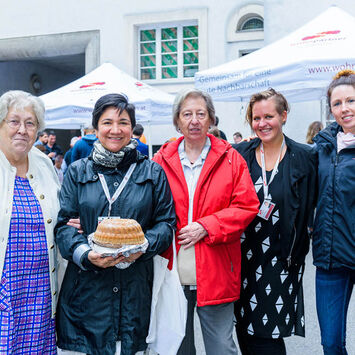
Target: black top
{"type": "Point", "coordinates": [271, 301]}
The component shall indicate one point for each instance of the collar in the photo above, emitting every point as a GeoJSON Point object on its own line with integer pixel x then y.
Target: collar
{"type": "Point", "coordinates": [345, 140]}
{"type": "Point", "coordinates": [203, 155]}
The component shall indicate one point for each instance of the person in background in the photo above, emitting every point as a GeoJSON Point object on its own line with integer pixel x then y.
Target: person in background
{"type": "Point", "coordinates": [276, 242]}
{"type": "Point", "coordinates": [215, 201]}
{"type": "Point", "coordinates": [41, 147]}
{"type": "Point", "coordinates": [58, 161]}
{"type": "Point", "coordinates": [42, 139]}
{"type": "Point", "coordinates": [83, 147]}
{"type": "Point", "coordinates": [215, 132]}
{"type": "Point", "coordinates": [221, 133]}
{"type": "Point", "coordinates": [100, 304]}
{"type": "Point", "coordinates": [313, 129]}
{"type": "Point", "coordinates": [334, 226]}
{"type": "Point", "coordinates": [67, 155]}
{"type": "Point", "coordinates": [52, 148]}
{"type": "Point", "coordinates": [28, 212]}
{"type": "Point", "coordinates": [237, 137]}
{"type": "Point", "coordinates": [137, 134]}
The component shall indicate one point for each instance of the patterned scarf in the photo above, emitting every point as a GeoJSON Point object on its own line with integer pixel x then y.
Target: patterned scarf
{"type": "Point", "coordinates": [104, 157]}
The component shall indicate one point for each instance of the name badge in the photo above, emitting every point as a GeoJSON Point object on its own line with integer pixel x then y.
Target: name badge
{"type": "Point", "coordinates": [266, 209]}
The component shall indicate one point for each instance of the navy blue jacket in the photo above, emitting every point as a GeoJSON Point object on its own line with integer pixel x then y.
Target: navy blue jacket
{"type": "Point", "coordinates": [83, 147]}
{"type": "Point", "coordinates": [334, 227]}
{"type": "Point", "coordinates": [98, 306]}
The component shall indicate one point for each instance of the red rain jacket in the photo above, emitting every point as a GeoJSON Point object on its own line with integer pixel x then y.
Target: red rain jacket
{"type": "Point", "coordinates": [225, 203]}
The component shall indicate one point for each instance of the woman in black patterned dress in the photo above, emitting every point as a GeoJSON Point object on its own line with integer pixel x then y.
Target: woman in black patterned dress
{"type": "Point", "coordinates": [277, 241]}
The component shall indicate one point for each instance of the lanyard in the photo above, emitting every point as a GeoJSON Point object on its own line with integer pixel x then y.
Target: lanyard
{"type": "Point", "coordinates": [123, 183]}
{"type": "Point", "coordinates": [274, 170]}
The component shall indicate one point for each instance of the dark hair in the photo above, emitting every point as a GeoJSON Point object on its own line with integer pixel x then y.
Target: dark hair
{"type": "Point", "coordinates": [42, 133]}
{"type": "Point", "coordinates": [51, 133]}
{"type": "Point", "coordinates": [138, 129]}
{"type": "Point", "coordinates": [237, 134]}
{"type": "Point", "coordinates": [344, 77]}
{"type": "Point", "coordinates": [281, 103]}
{"type": "Point", "coordinates": [118, 101]}
{"type": "Point", "coordinates": [215, 132]}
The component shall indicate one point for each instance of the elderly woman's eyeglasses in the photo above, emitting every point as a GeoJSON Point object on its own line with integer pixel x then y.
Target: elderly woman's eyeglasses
{"type": "Point", "coordinates": [199, 115]}
{"type": "Point", "coordinates": [16, 124]}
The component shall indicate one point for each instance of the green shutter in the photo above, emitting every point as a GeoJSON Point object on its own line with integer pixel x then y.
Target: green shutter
{"type": "Point", "coordinates": [190, 31]}
{"type": "Point", "coordinates": [148, 73]}
{"type": "Point", "coordinates": [169, 72]}
{"type": "Point", "coordinates": [169, 33]}
{"type": "Point", "coordinates": [168, 59]}
{"type": "Point", "coordinates": [147, 35]}
{"type": "Point", "coordinates": [168, 46]}
{"type": "Point", "coordinates": [191, 58]}
{"type": "Point", "coordinates": [148, 48]}
{"type": "Point", "coordinates": [148, 61]}
{"type": "Point", "coordinates": [190, 44]}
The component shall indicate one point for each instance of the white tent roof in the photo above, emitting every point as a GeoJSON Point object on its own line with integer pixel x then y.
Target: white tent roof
{"type": "Point", "coordinates": [71, 106]}
{"type": "Point", "coordinates": [299, 65]}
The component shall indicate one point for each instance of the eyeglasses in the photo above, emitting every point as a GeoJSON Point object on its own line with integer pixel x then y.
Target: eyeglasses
{"type": "Point", "coordinates": [200, 115]}
{"type": "Point", "coordinates": [16, 124]}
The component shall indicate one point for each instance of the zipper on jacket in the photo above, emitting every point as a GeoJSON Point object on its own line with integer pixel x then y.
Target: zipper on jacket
{"type": "Point", "coordinates": [336, 161]}
{"type": "Point", "coordinates": [292, 246]}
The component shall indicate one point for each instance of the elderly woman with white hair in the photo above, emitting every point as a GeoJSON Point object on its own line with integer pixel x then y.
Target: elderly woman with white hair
{"type": "Point", "coordinates": [28, 213]}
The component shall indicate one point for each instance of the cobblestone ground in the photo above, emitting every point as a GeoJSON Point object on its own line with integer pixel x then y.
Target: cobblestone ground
{"type": "Point", "coordinates": [296, 345]}
{"type": "Point", "coordinates": [311, 343]}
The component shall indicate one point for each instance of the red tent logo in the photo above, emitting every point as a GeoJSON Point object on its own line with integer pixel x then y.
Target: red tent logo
{"type": "Point", "coordinates": [138, 83]}
{"type": "Point", "coordinates": [320, 34]}
{"type": "Point", "coordinates": [92, 84]}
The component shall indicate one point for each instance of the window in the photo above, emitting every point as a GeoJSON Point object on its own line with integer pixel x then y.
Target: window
{"type": "Point", "coordinates": [246, 24]}
{"type": "Point", "coordinates": [168, 52]}
{"type": "Point", "coordinates": [252, 24]}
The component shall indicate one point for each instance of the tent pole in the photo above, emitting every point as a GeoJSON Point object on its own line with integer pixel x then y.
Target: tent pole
{"type": "Point", "coordinates": [323, 108]}
{"type": "Point", "coordinates": [150, 147]}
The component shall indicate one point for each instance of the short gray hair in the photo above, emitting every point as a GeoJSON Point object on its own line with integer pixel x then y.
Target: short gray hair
{"type": "Point", "coordinates": [20, 100]}
{"type": "Point", "coordinates": [183, 95]}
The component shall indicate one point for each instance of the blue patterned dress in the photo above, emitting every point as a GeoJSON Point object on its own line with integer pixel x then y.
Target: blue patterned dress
{"type": "Point", "coordinates": [26, 326]}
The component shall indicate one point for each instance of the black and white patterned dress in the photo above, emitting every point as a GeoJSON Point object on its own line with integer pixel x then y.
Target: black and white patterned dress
{"type": "Point", "coordinates": [271, 300]}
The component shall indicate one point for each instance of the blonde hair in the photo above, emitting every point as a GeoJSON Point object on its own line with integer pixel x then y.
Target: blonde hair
{"type": "Point", "coordinates": [281, 103]}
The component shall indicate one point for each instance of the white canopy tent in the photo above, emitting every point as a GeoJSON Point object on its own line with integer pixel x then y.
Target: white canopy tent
{"type": "Point", "coordinates": [299, 65]}
{"type": "Point", "coordinates": [70, 106]}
